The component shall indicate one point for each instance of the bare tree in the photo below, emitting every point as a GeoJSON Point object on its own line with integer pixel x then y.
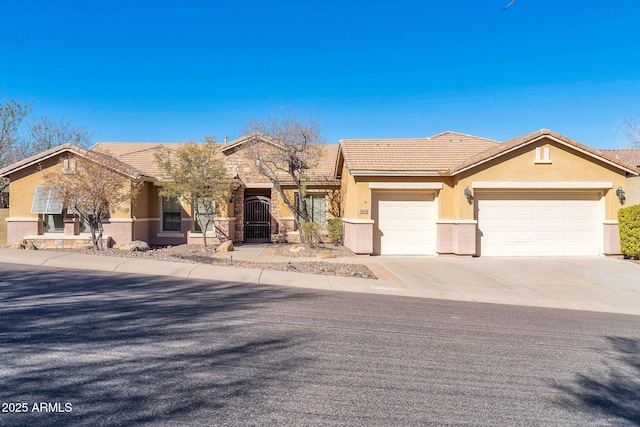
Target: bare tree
{"type": "Point", "coordinates": [45, 133]}
{"type": "Point", "coordinates": [12, 114]}
{"type": "Point", "coordinates": [92, 186]}
{"type": "Point", "coordinates": [630, 131]}
{"type": "Point", "coordinates": [196, 173]}
{"type": "Point", "coordinates": [285, 150]}
{"type": "Point", "coordinates": [21, 137]}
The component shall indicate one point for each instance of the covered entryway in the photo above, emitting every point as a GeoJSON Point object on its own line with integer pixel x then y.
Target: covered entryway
{"type": "Point", "coordinates": [257, 219]}
{"type": "Point", "coordinates": [539, 224]}
{"type": "Point", "coordinates": [404, 223]}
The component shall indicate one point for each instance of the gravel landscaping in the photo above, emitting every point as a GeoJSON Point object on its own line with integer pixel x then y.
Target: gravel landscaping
{"type": "Point", "coordinates": [291, 261]}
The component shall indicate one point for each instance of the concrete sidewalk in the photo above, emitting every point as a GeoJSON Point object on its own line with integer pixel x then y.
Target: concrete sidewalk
{"type": "Point", "coordinates": [592, 284]}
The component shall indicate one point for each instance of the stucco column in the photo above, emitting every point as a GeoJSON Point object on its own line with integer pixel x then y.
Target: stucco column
{"type": "Point", "coordinates": [611, 238]}
{"type": "Point", "coordinates": [358, 235]}
{"type": "Point", "coordinates": [457, 237]}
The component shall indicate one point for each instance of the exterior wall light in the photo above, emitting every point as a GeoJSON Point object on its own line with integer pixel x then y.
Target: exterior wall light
{"type": "Point", "coordinates": [620, 194]}
{"type": "Point", "coordinates": [468, 195]}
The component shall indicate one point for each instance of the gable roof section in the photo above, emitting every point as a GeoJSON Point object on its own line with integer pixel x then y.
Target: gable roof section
{"type": "Point", "coordinates": [252, 137]}
{"type": "Point", "coordinates": [137, 154]}
{"type": "Point", "coordinates": [524, 140]}
{"type": "Point", "coordinates": [321, 174]}
{"type": "Point", "coordinates": [409, 156]}
{"type": "Point", "coordinates": [93, 155]}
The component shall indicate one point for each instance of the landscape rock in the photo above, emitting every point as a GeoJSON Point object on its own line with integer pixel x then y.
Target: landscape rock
{"type": "Point", "coordinates": [24, 244]}
{"type": "Point", "coordinates": [135, 246]}
{"type": "Point", "coordinates": [84, 246]}
{"type": "Point", "coordinates": [325, 254]}
{"type": "Point", "coordinates": [297, 249]}
{"type": "Point", "coordinates": [225, 247]}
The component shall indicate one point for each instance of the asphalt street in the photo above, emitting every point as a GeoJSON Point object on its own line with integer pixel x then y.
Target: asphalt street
{"type": "Point", "coordinates": [101, 348]}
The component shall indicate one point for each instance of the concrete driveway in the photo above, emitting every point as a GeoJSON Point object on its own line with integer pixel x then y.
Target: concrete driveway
{"type": "Point", "coordinates": [594, 283]}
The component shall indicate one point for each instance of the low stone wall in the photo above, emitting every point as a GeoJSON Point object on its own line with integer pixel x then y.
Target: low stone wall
{"type": "Point", "coordinates": [65, 243]}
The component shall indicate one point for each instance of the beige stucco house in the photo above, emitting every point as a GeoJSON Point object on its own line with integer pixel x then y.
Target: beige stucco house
{"type": "Point", "coordinates": [255, 212]}
{"type": "Point", "coordinates": [541, 194]}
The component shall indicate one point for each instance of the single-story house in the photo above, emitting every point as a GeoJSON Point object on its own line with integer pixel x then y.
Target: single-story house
{"type": "Point", "coordinates": [255, 212]}
{"type": "Point", "coordinates": [541, 194]}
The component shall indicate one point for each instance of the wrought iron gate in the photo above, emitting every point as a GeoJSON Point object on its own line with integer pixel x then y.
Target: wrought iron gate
{"type": "Point", "coordinates": [257, 219]}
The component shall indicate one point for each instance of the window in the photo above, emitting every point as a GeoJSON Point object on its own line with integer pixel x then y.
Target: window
{"type": "Point", "coordinates": [83, 226]}
{"type": "Point", "coordinates": [316, 207]}
{"type": "Point", "coordinates": [171, 214]}
{"type": "Point", "coordinates": [202, 215]}
{"type": "Point", "coordinates": [53, 223]}
{"type": "Point", "coordinates": [48, 203]}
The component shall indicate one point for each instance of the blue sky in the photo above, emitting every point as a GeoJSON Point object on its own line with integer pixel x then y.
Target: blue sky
{"type": "Point", "coordinates": [175, 71]}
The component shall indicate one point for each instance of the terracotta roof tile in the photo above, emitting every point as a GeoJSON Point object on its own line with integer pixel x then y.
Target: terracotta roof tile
{"type": "Point", "coordinates": [140, 156]}
{"type": "Point", "coordinates": [136, 154]}
{"type": "Point", "coordinates": [436, 154]}
{"type": "Point", "coordinates": [95, 155]}
{"type": "Point", "coordinates": [630, 156]}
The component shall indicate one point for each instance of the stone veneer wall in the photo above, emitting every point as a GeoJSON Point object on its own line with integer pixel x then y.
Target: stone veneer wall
{"type": "Point", "coordinates": [238, 212]}
{"type": "Point", "coordinates": [65, 242]}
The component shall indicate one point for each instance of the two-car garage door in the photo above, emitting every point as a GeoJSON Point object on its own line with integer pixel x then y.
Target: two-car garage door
{"type": "Point", "coordinates": [539, 224]}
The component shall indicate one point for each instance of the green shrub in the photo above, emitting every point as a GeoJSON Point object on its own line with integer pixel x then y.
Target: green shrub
{"type": "Point", "coordinates": [334, 230]}
{"type": "Point", "coordinates": [629, 224]}
{"type": "Point", "coordinates": [310, 234]}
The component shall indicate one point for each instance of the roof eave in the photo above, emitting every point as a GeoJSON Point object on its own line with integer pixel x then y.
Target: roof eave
{"type": "Point", "coordinates": [365, 172]}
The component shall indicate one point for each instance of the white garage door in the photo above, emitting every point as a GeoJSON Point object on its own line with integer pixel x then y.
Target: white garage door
{"type": "Point", "coordinates": [539, 225]}
{"type": "Point", "coordinates": [404, 223]}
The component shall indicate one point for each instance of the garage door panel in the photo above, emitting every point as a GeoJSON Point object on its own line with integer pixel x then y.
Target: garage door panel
{"type": "Point", "coordinates": [518, 237]}
{"type": "Point", "coordinates": [405, 223]}
{"type": "Point", "coordinates": [519, 222]}
{"type": "Point", "coordinates": [391, 223]}
{"type": "Point", "coordinates": [539, 224]}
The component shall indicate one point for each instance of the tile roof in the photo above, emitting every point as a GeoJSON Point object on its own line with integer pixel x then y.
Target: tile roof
{"type": "Point", "coordinates": [137, 154]}
{"type": "Point", "coordinates": [630, 156]}
{"type": "Point", "coordinates": [140, 156]}
{"type": "Point", "coordinates": [325, 170]}
{"type": "Point", "coordinates": [526, 139]}
{"type": "Point", "coordinates": [438, 153]}
{"type": "Point", "coordinates": [97, 156]}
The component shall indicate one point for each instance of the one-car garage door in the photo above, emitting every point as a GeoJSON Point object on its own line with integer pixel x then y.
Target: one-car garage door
{"type": "Point", "coordinates": [404, 223]}
{"type": "Point", "coordinates": [539, 224]}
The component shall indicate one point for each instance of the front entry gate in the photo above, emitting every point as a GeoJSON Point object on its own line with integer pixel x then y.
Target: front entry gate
{"type": "Point", "coordinates": [257, 219]}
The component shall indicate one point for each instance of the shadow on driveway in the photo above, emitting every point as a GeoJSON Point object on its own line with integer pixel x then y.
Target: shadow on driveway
{"type": "Point", "coordinates": [613, 394]}
{"type": "Point", "coordinates": [133, 349]}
